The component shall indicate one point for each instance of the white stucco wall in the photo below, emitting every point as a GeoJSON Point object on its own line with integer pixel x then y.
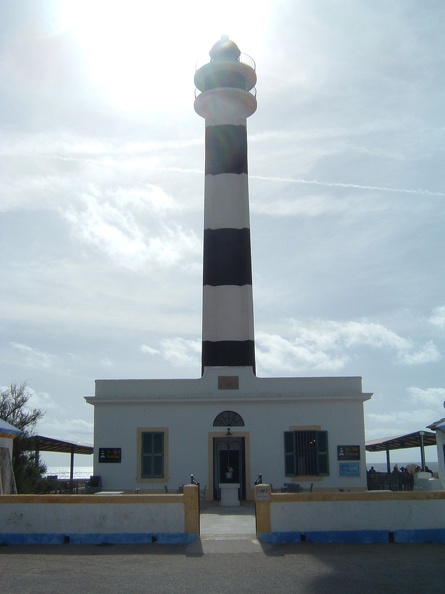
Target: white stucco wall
{"type": "Point", "coordinates": [268, 406]}
{"type": "Point", "coordinates": [100, 519]}
{"type": "Point", "coordinates": [440, 440]}
{"type": "Point", "coordinates": [389, 511]}
{"type": "Point", "coordinates": [83, 517]}
{"type": "Point", "coordinates": [6, 442]}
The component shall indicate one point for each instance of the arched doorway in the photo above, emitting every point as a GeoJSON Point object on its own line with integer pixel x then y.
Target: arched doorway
{"type": "Point", "coordinates": [229, 457]}
{"type": "Point", "coordinates": [229, 463]}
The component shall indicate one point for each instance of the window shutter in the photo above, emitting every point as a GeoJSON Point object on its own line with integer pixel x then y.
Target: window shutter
{"type": "Point", "coordinates": [322, 453]}
{"type": "Point", "coordinates": [289, 454]}
{"type": "Point", "coordinates": [152, 455]}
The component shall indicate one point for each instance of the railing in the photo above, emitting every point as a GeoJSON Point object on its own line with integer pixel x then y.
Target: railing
{"type": "Point", "coordinates": [252, 91]}
{"type": "Point", "coordinates": [243, 59]}
{"type": "Point", "coordinates": [193, 481]}
{"type": "Point", "coordinates": [52, 484]}
{"type": "Point", "coordinates": [394, 481]}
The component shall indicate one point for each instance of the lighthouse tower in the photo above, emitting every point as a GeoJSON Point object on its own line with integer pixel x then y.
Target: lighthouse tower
{"type": "Point", "coordinates": [231, 410]}
{"type": "Point", "coordinates": [226, 101]}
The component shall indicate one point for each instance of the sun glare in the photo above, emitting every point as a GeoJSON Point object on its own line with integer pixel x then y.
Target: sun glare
{"type": "Point", "coordinates": [142, 54]}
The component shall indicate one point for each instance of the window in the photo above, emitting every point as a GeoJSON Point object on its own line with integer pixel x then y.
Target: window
{"type": "Point", "coordinates": [306, 453]}
{"type": "Point", "coordinates": [152, 453]}
{"type": "Point", "coordinates": [228, 418]}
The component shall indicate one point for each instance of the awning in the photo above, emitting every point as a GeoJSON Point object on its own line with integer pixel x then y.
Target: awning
{"type": "Point", "coordinates": [418, 439]}
{"type": "Point", "coordinates": [8, 430]}
{"type": "Point", "coordinates": [400, 442]}
{"type": "Point", "coordinates": [49, 444]}
{"type": "Point", "coordinates": [39, 443]}
{"type": "Point", "coordinates": [438, 425]}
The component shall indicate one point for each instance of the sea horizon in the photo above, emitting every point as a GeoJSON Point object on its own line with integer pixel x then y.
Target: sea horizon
{"type": "Point", "coordinates": [84, 472]}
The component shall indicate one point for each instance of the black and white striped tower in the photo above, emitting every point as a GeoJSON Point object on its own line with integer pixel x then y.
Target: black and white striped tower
{"type": "Point", "coordinates": [226, 101]}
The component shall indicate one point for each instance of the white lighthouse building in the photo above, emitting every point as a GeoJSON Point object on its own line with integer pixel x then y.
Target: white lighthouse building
{"type": "Point", "coordinates": [229, 425]}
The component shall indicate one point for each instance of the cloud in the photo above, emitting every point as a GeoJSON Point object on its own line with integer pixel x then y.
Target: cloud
{"type": "Point", "coordinates": [331, 334]}
{"type": "Point", "coordinates": [119, 225]}
{"type": "Point", "coordinates": [42, 400]}
{"type": "Point", "coordinates": [278, 354]}
{"type": "Point", "coordinates": [53, 171]}
{"type": "Point", "coordinates": [431, 397]}
{"type": "Point", "coordinates": [428, 353]}
{"type": "Point", "coordinates": [71, 429]}
{"type": "Point", "coordinates": [34, 358]}
{"type": "Point", "coordinates": [397, 422]}
{"type": "Point", "coordinates": [330, 345]}
{"type": "Point", "coordinates": [180, 352]}
{"type": "Point", "coordinates": [438, 317]}
{"type": "Point", "coordinates": [149, 350]}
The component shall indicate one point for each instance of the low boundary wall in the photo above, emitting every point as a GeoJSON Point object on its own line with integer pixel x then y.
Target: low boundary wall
{"type": "Point", "coordinates": [350, 517]}
{"type": "Point", "coordinates": [100, 519]}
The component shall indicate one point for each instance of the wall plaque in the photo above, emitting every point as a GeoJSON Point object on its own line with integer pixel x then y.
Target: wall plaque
{"type": "Point", "coordinates": [228, 382]}
{"type": "Point", "coordinates": [348, 452]}
{"type": "Point", "coordinates": [110, 455]}
{"type": "Point", "coordinates": [262, 493]}
{"type": "Point", "coordinates": [349, 468]}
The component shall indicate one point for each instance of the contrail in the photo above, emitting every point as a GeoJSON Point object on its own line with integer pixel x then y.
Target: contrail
{"type": "Point", "coordinates": [290, 180]}
{"type": "Point", "coordinates": [314, 182]}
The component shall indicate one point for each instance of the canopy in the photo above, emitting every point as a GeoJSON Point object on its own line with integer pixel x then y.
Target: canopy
{"type": "Point", "coordinates": [438, 425]}
{"type": "Point", "coordinates": [8, 430]}
{"type": "Point", "coordinates": [399, 442]}
{"type": "Point", "coordinates": [418, 439]}
{"type": "Point", "coordinates": [39, 443]}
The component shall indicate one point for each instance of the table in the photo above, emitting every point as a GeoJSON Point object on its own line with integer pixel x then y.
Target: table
{"type": "Point", "coordinates": [229, 494]}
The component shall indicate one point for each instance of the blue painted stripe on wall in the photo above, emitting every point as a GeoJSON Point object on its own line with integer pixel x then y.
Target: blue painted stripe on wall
{"type": "Point", "coordinates": [225, 149]}
{"type": "Point", "coordinates": [227, 259]}
{"type": "Point", "coordinates": [330, 536]}
{"type": "Point", "coordinates": [280, 537]}
{"type": "Point", "coordinates": [428, 535]}
{"type": "Point", "coordinates": [96, 539]}
{"type": "Point", "coordinates": [30, 539]}
{"type": "Point", "coordinates": [356, 536]}
{"type": "Point", "coordinates": [349, 536]}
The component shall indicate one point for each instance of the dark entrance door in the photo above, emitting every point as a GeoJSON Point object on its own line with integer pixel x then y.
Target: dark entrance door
{"type": "Point", "coordinates": [229, 463]}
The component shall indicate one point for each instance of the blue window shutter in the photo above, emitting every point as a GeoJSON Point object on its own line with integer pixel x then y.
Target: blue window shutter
{"type": "Point", "coordinates": [322, 453]}
{"type": "Point", "coordinates": [289, 454]}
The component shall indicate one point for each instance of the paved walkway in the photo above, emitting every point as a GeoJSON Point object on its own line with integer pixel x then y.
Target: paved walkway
{"type": "Point", "coordinates": [235, 522]}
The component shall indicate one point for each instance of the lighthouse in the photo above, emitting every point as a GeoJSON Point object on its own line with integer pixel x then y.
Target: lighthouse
{"type": "Point", "coordinates": [226, 99]}
{"type": "Point", "coordinates": [289, 429]}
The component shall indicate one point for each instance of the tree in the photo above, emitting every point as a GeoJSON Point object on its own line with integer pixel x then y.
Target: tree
{"type": "Point", "coordinates": [14, 409]}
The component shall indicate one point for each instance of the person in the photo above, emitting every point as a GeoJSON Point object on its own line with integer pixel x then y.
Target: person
{"type": "Point", "coordinates": [397, 478]}
{"type": "Point", "coordinates": [404, 479]}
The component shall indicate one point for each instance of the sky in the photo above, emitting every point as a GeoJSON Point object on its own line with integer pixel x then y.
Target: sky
{"type": "Point", "coordinates": [102, 187]}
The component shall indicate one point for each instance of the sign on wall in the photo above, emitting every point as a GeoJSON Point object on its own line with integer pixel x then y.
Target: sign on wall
{"type": "Point", "coordinates": [110, 455]}
{"type": "Point", "coordinates": [348, 452]}
{"type": "Point", "coordinates": [262, 493]}
{"type": "Point", "coordinates": [349, 468]}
